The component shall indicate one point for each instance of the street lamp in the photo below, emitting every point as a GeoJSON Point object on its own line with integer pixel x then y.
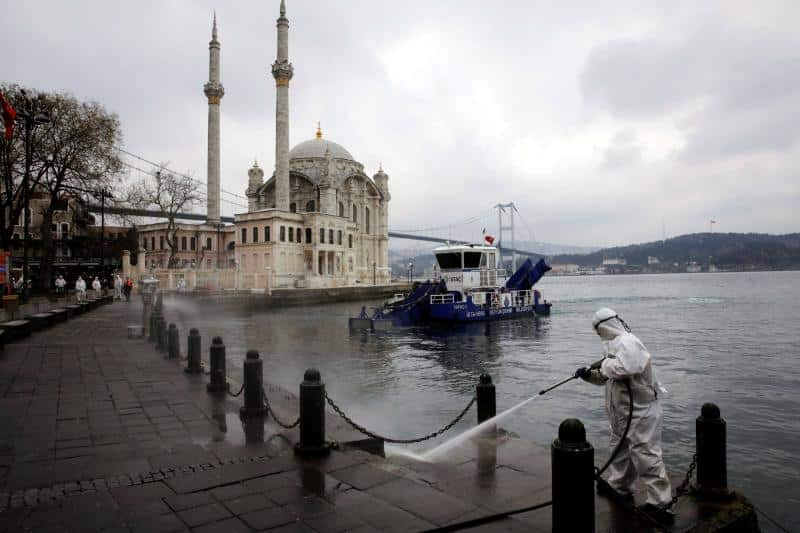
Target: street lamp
{"type": "Point", "coordinates": [32, 117]}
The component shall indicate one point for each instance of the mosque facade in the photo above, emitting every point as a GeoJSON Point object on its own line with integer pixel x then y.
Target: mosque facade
{"type": "Point", "coordinates": [317, 221]}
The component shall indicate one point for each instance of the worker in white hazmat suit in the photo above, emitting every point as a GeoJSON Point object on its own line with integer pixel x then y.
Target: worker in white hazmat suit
{"type": "Point", "coordinates": [626, 358]}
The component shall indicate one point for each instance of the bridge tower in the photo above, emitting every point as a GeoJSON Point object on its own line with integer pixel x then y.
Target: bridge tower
{"type": "Point", "coordinates": [501, 210]}
{"type": "Point", "coordinates": [214, 92]}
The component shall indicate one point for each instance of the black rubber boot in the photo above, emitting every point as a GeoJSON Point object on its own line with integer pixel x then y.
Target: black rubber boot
{"type": "Point", "coordinates": [622, 498]}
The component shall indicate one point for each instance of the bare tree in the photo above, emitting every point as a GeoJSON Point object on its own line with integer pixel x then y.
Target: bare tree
{"type": "Point", "coordinates": [170, 193]}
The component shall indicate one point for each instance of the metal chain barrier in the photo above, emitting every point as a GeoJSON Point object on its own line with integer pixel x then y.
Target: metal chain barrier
{"type": "Point", "coordinates": [238, 393]}
{"type": "Point", "coordinates": [369, 433]}
{"type": "Point", "coordinates": [277, 420]}
{"type": "Point", "coordinates": [683, 488]}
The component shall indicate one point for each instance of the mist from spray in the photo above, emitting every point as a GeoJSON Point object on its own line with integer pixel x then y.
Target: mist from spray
{"type": "Point", "coordinates": [444, 448]}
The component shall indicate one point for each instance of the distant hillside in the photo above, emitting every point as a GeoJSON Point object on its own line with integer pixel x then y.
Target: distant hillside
{"type": "Point", "coordinates": [725, 250]}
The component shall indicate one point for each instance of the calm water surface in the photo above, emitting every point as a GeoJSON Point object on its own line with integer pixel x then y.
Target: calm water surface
{"type": "Point", "coordinates": [730, 338]}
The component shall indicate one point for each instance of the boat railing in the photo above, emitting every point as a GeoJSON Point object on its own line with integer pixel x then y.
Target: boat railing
{"type": "Point", "coordinates": [489, 277]}
{"type": "Point", "coordinates": [443, 298]}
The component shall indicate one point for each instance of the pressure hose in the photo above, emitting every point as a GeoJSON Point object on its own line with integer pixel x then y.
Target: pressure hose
{"type": "Point", "coordinates": [597, 471]}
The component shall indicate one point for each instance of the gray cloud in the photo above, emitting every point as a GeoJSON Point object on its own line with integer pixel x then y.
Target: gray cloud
{"type": "Point", "coordinates": [597, 121]}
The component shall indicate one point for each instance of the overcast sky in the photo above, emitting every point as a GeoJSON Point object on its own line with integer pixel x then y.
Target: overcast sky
{"type": "Point", "coordinates": [605, 123]}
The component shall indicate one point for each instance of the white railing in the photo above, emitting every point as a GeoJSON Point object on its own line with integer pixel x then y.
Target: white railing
{"type": "Point", "coordinates": [442, 298]}
{"type": "Point", "coordinates": [489, 277]}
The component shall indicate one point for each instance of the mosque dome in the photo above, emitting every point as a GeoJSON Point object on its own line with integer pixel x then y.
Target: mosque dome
{"type": "Point", "coordinates": [315, 148]}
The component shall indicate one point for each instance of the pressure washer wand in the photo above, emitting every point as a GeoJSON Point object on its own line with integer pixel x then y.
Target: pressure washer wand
{"type": "Point", "coordinates": [594, 366]}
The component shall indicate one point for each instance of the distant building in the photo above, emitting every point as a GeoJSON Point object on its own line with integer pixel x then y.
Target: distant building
{"type": "Point", "coordinates": [565, 268]}
{"type": "Point", "coordinates": [653, 260]}
{"type": "Point", "coordinates": [693, 268]}
{"type": "Point", "coordinates": [615, 261]}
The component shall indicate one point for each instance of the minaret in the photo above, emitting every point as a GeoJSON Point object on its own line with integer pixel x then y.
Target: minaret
{"type": "Point", "coordinates": [282, 71]}
{"type": "Point", "coordinates": [214, 92]}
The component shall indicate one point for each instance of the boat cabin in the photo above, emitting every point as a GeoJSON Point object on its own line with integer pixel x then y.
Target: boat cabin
{"type": "Point", "coordinates": [468, 266]}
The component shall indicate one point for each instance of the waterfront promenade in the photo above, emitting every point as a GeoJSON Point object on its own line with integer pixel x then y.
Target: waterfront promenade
{"type": "Point", "coordinates": [100, 432]}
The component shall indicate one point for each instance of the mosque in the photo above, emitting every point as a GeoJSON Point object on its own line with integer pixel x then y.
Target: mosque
{"type": "Point", "coordinates": [318, 221]}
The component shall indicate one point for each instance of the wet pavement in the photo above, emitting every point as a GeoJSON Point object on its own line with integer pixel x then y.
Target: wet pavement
{"type": "Point", "coordinates": [99, 432]}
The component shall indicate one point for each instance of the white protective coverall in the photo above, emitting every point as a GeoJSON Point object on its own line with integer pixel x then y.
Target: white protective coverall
{"type": "Point", "coordinates": [627, 358]}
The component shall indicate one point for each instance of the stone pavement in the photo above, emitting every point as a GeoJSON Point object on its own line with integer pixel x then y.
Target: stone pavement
{"type": "Point", "coordinates": [102, 433]}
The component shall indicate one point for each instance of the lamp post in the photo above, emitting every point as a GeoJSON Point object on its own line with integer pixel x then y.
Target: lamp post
{"type": "Point", "coordinates": [31, 117]}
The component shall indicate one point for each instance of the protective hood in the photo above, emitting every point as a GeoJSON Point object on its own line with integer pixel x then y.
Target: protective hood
{"type": "Point", "coordinates": [607, 324]}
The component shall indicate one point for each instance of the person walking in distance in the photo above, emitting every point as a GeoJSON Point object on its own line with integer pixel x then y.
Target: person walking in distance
{"type": "Point", "coordinates": [80, 289]}
{"type": "Point", "coordinates": [127, 288]}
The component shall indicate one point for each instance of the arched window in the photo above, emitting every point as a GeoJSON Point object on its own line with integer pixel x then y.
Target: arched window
{"type": "Point", "coordinates": [355, 213]}
{"type": "Point", "coordinates": [293, 207]}
{"type": "Point", "coordinates": [341, 209]}
{"type": "Point", "coordinates": [366, 220]}
{"type": "Point", "coordinates": [310, 206]}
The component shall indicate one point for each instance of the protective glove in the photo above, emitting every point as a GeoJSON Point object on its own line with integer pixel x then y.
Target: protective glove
{"type": "Point", "coordinates": [583, 372]}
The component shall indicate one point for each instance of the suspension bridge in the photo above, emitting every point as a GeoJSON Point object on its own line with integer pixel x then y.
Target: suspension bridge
{"type": "Point", "coordinates": [505, 237]}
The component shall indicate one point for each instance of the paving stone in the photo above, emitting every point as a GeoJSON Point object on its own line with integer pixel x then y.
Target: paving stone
{"type": "Point", "coordinates": [248, 503]}
{"type": "Point", "coordinates": [228, 474]}
{"type": "Point", "coordinates": [231, 492]}
{"type": "Point", "coordinates": [168, 523]}
{"type": "Point", "coordinates": [335, 522]}
{"type": "Point", "coordinates": [231, 525]}
{"type": "Point", "coordinates": [141, 493]}
{"type": "Point", "coordinates": [421, 500]}
{"type": "Point", "coordinates": [268, 518]}
{"type": "Point", "coordinates": [204, 514]}
{"type": "Point", "coordinates": [179, 502]}
{"type": "Point", "coordinates": [363, 476]}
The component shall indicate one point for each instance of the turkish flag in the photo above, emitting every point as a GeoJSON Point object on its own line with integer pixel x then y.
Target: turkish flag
{"type": "Point", "coordinates": [9, 116]}
{"type": "Point", "coordinates": [489, 239]}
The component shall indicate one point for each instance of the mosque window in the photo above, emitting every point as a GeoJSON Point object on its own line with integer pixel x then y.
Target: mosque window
{"type": "Point", "coordinates": [310, 206]}
{"type": "Point", "coordinates": [291, 234]}
{"type": "Point", "coordinates": [266, 234]}
{"type": "Point", "coordinates": [283, 234]}
{"type": "Point", "coordinates": [339, 238]}
{"type": "Point", "coordinates": [349, 240]}
{"type": "Point", "coordinates": [355, 213]}
{"type": "Point", "coordinates": [366, 220]}
{"type": "Point", "coordinates": [308, 235]}
{"type": "Point", "coordinates": [244, 235]}
{"type": "Point", "coordinates": [208, 243]}
{"type": "Point", "coordinates": [341, 209]}
{"type": "Point", "coordinates": [144, 243]}
{"type": "Point", "coordinates": [160, 242]}
{"type": "Point", "coordinates": [293, 207]}
{"type": "Point", "coordinates": [330, 236]}
{"type": "Point", "coordinates": [152, 243]}
{"type": "Point", "coordinates": [299, 234]}
{"type": "Point", "coordinates": [192, 244]}
{"type": "Point", "coordinates": [255, 234]}
{"type": "Point", "coordinates": [183, 243]}
{"type": "Point", "coordinates": [64, 230]}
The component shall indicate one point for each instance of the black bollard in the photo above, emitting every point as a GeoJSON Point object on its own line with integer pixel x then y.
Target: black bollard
{"type": "Point", "coordinates": [712, 469]}
{"type": "Point", "coordinates": [486, 398]}
{"type": "Point", "coordinates": [193, 365]}
{"type": "Point", "coordinates": [216, 360]}
{"type": "Point", "coordinates": [572, 479]}
{"type": "Point", "coordinates": [312, 416]}
{"type": "Point", "coordinates": [173, 342]}
{"type": "Point", "coordinates": [161, 332]}
{"type": "Point", "coordinates": [153, 332]}
{"type": "Point", "coordinates": [253, 386]}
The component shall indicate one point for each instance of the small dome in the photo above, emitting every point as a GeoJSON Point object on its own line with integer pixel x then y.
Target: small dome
{"type": "Point", "coordinates": [316, 148]}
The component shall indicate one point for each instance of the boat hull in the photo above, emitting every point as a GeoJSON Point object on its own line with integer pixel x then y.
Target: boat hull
{"type": "Point", "coordinates": [469, 312]}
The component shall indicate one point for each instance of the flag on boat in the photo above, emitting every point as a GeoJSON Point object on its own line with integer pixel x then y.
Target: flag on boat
{"type": "Point", "coordinates": [489, 239]}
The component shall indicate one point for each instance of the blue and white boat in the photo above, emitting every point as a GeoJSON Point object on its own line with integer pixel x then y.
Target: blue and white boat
{"type": "Point", "coordinates": [471, 286]}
